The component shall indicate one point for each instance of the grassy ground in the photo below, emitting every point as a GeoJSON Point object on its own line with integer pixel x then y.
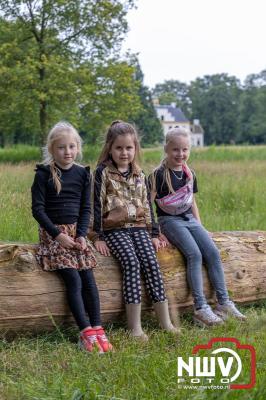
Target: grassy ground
{"type": "Point", "coordinates": [22, 153]}
{"type": "Point", "coordinates": [49, 367]}
{"type": "Point", "coordinates": [231, 197]}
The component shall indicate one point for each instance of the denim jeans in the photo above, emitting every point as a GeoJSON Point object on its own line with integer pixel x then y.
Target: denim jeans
{"type": "Point", "coordinates": [192, 239]}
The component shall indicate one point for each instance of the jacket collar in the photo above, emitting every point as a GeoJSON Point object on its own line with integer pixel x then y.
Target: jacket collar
{"type": "Point", "coordinates": [113, 169]}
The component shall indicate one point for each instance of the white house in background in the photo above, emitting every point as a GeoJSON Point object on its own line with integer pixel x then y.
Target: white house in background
{"type": "Point", "coordinates": [171, 116]}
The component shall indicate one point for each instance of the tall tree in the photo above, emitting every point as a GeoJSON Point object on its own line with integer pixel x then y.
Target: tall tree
{"type": "Point", "coordinates": [215, 100]}
{"type": "Point", "coordinates": [252, 109]}
{"type": "Point", "coordinates": [16, 109]}
{"type": "Point", "coordinates": [63, 34]}
{"type": "Point", "coordinates": [173, 91]}
{"type": "Point", "coordinates": [146, 119]}
{"type": "Point", "coordinates": [109, 92]}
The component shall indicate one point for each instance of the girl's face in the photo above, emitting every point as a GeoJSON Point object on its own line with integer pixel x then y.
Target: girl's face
{"type": "Point", "coordinates": [123, 151]}
{"type": "Point", "coordinates": [177, 152]}
{"type": "Point", "coordinates": [65, 151]}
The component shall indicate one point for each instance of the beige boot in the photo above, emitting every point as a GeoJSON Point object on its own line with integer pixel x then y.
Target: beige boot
{"type": "Point", "coordinates": [162, 312]}
{"type": "Point", "coordinates": [134, 321]}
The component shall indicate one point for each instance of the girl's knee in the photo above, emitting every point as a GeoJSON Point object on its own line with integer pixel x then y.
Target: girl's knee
{"type": "Point", "coordinates": [213, 254]}
{"type": "Point", "coordinates": [194, 257]}
{"type": "Point", "coordinates": [89, 285]}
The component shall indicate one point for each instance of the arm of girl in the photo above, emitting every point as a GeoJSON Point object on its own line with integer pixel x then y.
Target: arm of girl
{"type": "Point", "coordinates": [99, 196]}
{"type": "Point", "coordinates": [195, 210]}
{"type": "Point", "coordinates": [153, 195]}
{"type": "Point", "coordinates": [85, 207]}
{"type": "Point", "coordinates": [38, 191]}
{"type": "Point", "coordinates": [163, 241]}
{"type": "Point", "coordinates": [148, 210]}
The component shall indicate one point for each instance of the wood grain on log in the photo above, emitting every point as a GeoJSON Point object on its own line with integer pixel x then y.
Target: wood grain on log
{"type": "Point", "coordinates": [34, 300]}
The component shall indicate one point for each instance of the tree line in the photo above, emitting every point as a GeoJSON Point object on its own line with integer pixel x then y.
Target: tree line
{"type": "Point", "coordinates": [229, 112]}
{"type": "Point", "coordinates": [61, 59]}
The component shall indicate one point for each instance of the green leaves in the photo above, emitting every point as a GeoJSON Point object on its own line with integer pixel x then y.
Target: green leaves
{"type": "Point", "coordinates": [215, 101]}
{"type": "Point", "coordinates": [145, 117]}
{"type": "Point", "coordinates": [57, 62]}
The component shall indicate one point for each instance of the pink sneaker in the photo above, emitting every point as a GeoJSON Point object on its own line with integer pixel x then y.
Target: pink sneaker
{"type": "Point", "coordinates": [88, 341]}
{"type": "Point", "coordinates": [103, 341]}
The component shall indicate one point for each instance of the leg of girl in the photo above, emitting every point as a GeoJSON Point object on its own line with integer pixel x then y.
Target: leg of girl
{"type": "Point", "coordinates": [213, 262]}
{"type": "Point", "coordinates": [153, 278]}
{"type": "Point", "coordinates": [122, 247]}
{"type": "Point", "coordinates": [88, 338]}
{"type": "Point", "coordinates": [176, 229]}
{"type": "Point", "coordinates": [91, 301]}
{"type": "Point", "coordinates": [90, 296]}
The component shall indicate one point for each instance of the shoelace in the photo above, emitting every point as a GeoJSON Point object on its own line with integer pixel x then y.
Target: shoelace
{"type": "Point", "coordinates": [212, 317]}
{"type": "Point", "coordinates": [91, 338]}
{"type": "Point", "coordinates": [103, 337]}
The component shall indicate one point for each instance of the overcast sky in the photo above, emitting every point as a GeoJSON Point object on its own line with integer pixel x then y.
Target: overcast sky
{"type": "Point", "coordinates": [186, 39]}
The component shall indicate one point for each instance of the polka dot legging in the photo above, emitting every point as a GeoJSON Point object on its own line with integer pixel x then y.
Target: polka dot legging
{"type": "Point", "coordinates": [134, 250]}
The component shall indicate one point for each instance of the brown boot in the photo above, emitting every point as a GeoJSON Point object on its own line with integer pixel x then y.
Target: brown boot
{"type": "Point", "coordinates": [134, 321]}
{"type": "Point", "coordinates": [162, 312]}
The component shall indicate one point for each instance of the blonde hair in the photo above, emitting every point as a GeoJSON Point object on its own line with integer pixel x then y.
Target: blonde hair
{"type": "Point", "coordinates": [57, 132]}
{"type": "Point", "coordinates": [169, 137]}
{"type": "Point", "coordinates": [119, 128]}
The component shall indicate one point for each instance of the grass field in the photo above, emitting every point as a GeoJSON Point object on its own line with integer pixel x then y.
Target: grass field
{"type": "Point", "coordinates": [231, 197]}
{"type": "Point", "coordinates": [26, 153]}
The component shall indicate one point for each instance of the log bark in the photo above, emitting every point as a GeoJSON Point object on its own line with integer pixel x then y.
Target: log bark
{"type": "Point", "coordinates": [33, 300]}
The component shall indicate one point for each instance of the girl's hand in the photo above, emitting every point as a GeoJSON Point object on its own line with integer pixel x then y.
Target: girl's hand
{"type": "Point", "coordinates": [164, 241]}
{"type": "Point", "coordinates": [102, 247]}
{"type": "Point", "coordinates": [81, 243]}
{"type": "Point", "coordinates": [156, 243]}
{"type": "Point", "coordinates": [66, 241]}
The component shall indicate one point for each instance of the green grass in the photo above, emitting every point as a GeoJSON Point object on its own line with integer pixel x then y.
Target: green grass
{"type": "Point", "coordinates": [19, 153]}
{"type": "Point", "coordinates": [25, 153]}
{"type": "Point", "coordinates": [230, 194]}
{"type": "Point", "coordinates": [213, 153]}
{"type": "Point", "coordinates": [231, 197]}
{"type": "Point", "coordinates": [50, 367]}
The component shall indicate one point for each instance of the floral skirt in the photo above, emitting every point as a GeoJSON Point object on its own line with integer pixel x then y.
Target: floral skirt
{"type": "Point", "coordinates": [52, 256]}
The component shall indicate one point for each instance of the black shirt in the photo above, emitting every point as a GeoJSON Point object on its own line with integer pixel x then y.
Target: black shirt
{"type": "Point", "coordinates": [71, 205]}
{"type": "Point", "coordinates": [178, 180]}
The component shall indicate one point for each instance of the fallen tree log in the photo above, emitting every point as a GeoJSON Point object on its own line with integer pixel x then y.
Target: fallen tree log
{"type": "Point", "coordinates": [33, 300]}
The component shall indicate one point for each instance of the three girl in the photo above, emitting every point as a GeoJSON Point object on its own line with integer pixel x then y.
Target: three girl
{"type": "Point", "coordinates": [124, 224]}
{"type": "Point", "coordinates": [61, 205]}
{"type": "Point", "coordinates": [173, 186]}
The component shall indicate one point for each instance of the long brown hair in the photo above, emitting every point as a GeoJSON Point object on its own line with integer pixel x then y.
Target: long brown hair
{"type": "Point", "coordinates": [170, 135]}
{"type": "Point", "coordinates": [58, 131]}
{"type": "Point", "coordinates": [117, 128]}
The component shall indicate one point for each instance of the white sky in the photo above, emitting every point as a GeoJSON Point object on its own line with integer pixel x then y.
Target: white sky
{"type": "Point", "coordinates": [186, 39]}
